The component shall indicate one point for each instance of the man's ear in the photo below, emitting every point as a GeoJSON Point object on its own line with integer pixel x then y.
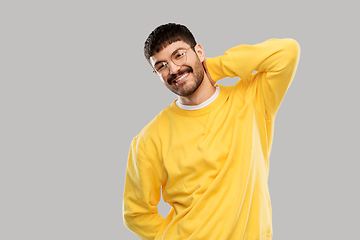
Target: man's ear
{"type": "Point", "coordinates": [200, 52]}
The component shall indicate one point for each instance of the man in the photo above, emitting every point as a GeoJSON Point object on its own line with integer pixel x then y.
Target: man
{"type": "Point", "coordinates": [208, 152]}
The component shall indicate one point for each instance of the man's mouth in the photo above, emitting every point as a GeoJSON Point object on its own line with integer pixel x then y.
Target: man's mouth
{"type": "Point", "coordinates": [177, 80]}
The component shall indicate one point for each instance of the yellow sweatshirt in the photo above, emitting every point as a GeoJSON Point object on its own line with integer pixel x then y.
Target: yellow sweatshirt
{"type": "Point", "coordinates": [212, 164]}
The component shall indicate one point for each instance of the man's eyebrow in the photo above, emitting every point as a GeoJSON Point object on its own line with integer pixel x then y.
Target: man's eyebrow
{"type": "Point", "coordinates": [158, 62]}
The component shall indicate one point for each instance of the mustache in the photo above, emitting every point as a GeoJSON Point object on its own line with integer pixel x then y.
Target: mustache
{"type": "Point", "coordinates": [181, 72]}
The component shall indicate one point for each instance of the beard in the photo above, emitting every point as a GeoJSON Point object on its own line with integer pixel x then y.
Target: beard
{"type": "Point", "coordinates": [191, 84]}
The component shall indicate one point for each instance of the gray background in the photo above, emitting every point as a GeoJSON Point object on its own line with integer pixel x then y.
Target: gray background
{"type": "Point", "coordinates": [75, 89]}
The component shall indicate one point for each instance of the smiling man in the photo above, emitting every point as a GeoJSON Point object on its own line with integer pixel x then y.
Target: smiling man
{"type": "Point", "coordinates": [183, 72]}
{"type": "Point", "coordinates": [208, 152]}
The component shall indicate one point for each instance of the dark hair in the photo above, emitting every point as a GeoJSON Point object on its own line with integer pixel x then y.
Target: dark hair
{"type": "Point", "coordinates": [164, 35]}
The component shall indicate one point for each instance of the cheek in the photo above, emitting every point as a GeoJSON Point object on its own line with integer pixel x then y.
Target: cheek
{"type": "Point", "coordinates": [163, 80]}
{"type": "Point", "coordinates": [199, 69]}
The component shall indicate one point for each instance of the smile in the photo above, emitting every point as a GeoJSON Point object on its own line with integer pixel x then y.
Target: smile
{"type": "Point", "coordinates": [181, 78]}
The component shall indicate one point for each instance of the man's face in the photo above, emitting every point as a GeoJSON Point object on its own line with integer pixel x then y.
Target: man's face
{"type": "Point", "coordinates": [182, 80]}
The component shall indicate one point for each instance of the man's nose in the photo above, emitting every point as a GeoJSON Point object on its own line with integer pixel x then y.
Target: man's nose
{"type": "Point", "coordinates": [173, 68]}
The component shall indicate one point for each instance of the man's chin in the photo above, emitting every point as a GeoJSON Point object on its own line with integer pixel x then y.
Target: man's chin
{"type": "Point", "coordinates": [183, 90]}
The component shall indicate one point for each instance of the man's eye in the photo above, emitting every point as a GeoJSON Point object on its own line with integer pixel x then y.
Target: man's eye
{"type": "Point", "coordinates": [179, 55]}
{"type": "Point", "coordinates": [160, 66]}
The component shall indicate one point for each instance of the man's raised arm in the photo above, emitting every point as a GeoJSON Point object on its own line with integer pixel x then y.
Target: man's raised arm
{"type": "Point", "coordinates": [275, 60]}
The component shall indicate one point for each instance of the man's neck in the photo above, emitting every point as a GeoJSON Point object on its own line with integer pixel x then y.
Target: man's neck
{"type": "Point", "coordinates": [203, 93]}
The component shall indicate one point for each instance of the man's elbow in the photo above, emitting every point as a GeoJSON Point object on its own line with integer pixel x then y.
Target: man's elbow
{"type": "Point", "coordinates": [292, 50]}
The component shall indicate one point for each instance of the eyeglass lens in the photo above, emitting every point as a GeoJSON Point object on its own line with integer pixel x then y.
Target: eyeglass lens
{"type": "Point", "coordinates": [178, 58]}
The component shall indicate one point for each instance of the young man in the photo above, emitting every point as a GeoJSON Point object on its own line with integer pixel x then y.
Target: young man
{"type": "Point", "coordinates": [208, 152]}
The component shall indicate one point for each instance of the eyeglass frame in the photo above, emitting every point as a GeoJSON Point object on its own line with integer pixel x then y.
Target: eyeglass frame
{"type": "Point", "coordinates": [166, 62]}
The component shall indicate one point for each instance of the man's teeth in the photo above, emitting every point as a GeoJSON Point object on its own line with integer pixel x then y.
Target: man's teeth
{"type": "Point", "coordinates": [181, 78]}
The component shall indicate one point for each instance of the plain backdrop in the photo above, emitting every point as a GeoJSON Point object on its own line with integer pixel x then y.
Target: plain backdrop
{"type": "Point", "coordinates": [75, 89]}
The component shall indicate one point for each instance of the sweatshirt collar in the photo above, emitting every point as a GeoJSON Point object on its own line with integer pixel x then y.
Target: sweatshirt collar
{"type": "Point", "coordinates": [218, 97]}
{"type": "Point", "coordinates": [201, 105]}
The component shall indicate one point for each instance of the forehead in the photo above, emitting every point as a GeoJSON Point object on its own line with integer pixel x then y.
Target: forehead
{"type": "Point", "coordinates": [165, 53]}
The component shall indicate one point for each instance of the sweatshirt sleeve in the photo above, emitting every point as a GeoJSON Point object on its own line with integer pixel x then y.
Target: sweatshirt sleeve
{"type": "Point", "coordinates": [141, 195]}
{"type": "Point", "coordinates": [275, 61]}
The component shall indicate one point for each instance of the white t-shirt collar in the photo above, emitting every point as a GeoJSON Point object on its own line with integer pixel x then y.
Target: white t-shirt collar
{"type": "Point", "coordinates": [201, 105]}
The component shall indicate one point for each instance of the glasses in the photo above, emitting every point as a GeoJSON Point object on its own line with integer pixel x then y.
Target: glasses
{"type": "Point", "coordinates": [178, 57]}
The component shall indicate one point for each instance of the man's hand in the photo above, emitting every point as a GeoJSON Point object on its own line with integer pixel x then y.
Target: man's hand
{"type": "Point", "coordinates": [207, 72]}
